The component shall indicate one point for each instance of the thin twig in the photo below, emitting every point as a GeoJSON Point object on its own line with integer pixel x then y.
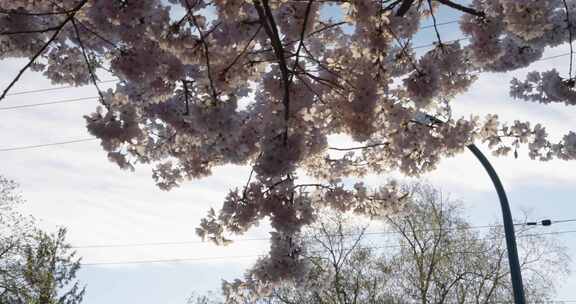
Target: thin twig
{"type": "Point", "coordinates": [37, 31]}
{"type": "Point", "coordinates": [186, 93]}
{"type": "Point", "coordinates": [435, 24]}
{"type": "Point", "coordinates": [88, 65]}
{"type": "Point", "coordinates": [192, 20]}
{"type": "Point", "coordinates": [243, 51]}
{"type": "Point", "coordinates": [404, 48]}
{"type": "Point", "coordinates": [311, 89]}
{"type": "Point", "coordinates": [69, 17]}
{"type": "Point", "coordinates": [318, 31]}
{"type": "Point", "coordinates": [250, 176]}
{"type": "Point", "coordinates": [93, 32]}
{"type": "Point", "coordinates": [569, 36]}
{"type": "Point", "coordinates": [302, 34]}
{"type": "Point", "coordinates": [327, 27]}
{"type": "Point", "coordinates": [462, 8]}
{"type": "Point", "coordinates": [17, 13]}
{"type": "Point", "coordinates": [360, 148]}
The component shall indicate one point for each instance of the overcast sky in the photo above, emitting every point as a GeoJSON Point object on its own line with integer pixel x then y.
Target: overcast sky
{"type": "Point", "coordinates": [75, 186]}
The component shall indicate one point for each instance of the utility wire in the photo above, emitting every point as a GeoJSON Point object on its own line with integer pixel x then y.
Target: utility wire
{"type": "Point", "coordinates": [47, 145]}
{"type": "Point", "coordinates": [415, 47]}
{"type": "Point", "coordinates": [171, 260]}
{"type": "Point", "coordinates": [179, 260]}
{"type": "Point", "coordinates": [48, 103]}
{"type": "Point", "coordinates": [53, 89]}
{"type": "Point", "coordinates": [154, 244]}
{"type": "Point", "coordinates": [548, 222]}
{"type": "Point", "coordinates": [24, 92]}
{"type": "Point", "coordinates": [96, 97]}
{"type": "Point", "coordinates": [88, 98]}
{"type": "Point", "coordinates": [439, 24]}
{"type": "Point", "coordinates": [564, 221]}
{"type": "Point", "coordinates": [112, 80]}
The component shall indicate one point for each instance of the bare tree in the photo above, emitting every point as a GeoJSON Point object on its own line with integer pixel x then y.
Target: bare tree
{"type": "Point", "coordinates": [344, 271]}
{"type": "Point", "coordinates": [203, 84]}
{"type": "Point", "coordinates": [436, 257]}
{"type": "Point", "coordinates": [442, 259]}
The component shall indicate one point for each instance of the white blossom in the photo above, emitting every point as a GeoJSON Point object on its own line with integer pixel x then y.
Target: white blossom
{"type": "Point", "coordinates": [203, 84]}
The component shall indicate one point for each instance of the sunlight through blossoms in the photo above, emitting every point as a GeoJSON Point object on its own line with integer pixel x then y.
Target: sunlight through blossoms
{"type": "Point", "coordinates": [265, 83]}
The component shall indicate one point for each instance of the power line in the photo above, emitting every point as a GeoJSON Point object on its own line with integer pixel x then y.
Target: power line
{"type": "Point", "coordinates": [564, 221]}
{"type": "Point", "coordinates": [549, 233]}
{"type": "Point", "coordinates": [47, 145]}
{"type": "Point", "coordinates": [548, 222]}
{"type": "Point", "coordinates": [96, 97]}
{"type": "Point", "coordinates": [24, 92]}
{"type": "Point", "coordinates": [439, 24]}
{"type": "Point", "coordinates": [88, 98]}
{"type": "Point", "coordinates": [79, 99]}
{"type": "Point", "coordinates": [155, 244]}
{"type": "Point", "coordinates": [180, 260]}
{"type": "Point", "coordinates": [415, 47]}
{"type": "Point", "coordinates": [112, 80]}
{"type": "Point", "coordinates": [48, 103]}
{"type": "Point", "coordinates": [53, 89]}
{"type": "Point", "coordinates": [171, 260]}
{"type": "Point", "coordinates": [435, 43]}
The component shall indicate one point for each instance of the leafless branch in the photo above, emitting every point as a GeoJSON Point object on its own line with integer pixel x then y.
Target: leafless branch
{"type": "Point", "coordinates": [193, 21]}
{"type": "Point", "coordinates": [96, 34]}
{"type": "Point", "coordinates": [242, 52]}
{"type": "Point", "coordinates": [302, 34]}
{"type": "Point", "coordinates": [267, 20]}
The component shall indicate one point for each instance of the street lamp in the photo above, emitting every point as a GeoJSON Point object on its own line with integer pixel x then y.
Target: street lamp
{"type": "Point", "coordinates": [513, 260]}
{"type": "Point", "coordinates": [515, 273]}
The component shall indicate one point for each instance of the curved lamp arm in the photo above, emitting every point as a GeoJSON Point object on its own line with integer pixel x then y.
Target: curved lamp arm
{"type": "Point", "coordinates": [515, 272]}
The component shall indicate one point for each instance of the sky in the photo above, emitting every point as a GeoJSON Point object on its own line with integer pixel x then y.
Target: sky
{"type": "Point", "coordinates": [75, 186]}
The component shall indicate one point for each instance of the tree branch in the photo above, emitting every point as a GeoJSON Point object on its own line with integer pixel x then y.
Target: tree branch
{"type": "Point", "coordinates": [302, 36]}
{"type": "Point", "coordinates": [87, 61]}
{"type": "Point", "coordinates": [242, 52]}
{"type": "Point", "coordinates": [267, 20]}
{"type": "Point", "coordinates": [359, 148]}
{"type": "Point", "coordinates": [404, 7]}
{"type": "Point", "coordinates": [38, 31]}
{"type": "Point", "coordinates": [463, 8]}
{"type": "Point", "coordinates": [69, 17]}
{"type": "Point", "coordinates": [192, 20]}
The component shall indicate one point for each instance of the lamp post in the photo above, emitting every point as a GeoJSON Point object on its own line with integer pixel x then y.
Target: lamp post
{"type": "Point", "coordinates": [514, 262]}
{"type": "Point", "coordinates": [515, 273]}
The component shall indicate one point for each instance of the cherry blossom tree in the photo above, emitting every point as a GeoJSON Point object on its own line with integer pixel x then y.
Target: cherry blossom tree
{"type": "Point", "coordinates": [266, 82]}
{"type": "Point", "coordinates": [428, 253]}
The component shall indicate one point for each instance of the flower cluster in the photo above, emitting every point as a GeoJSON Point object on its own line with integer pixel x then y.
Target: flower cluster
{"type": "Point", "coordinates": [208, 83]}
{"type": "Point", "coordinates": [290, 207]}
{"type": "Point", "coordinates": [545, 87]}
